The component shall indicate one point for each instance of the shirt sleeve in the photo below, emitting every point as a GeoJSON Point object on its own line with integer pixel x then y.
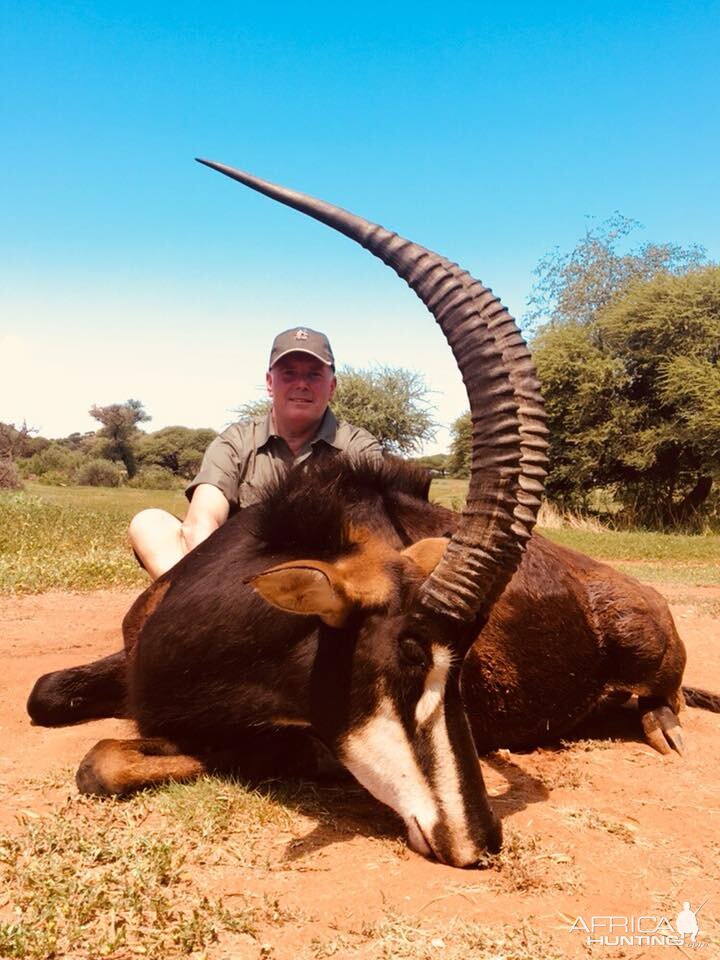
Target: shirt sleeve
{"type": "Point", "coordinates": [222, 466]}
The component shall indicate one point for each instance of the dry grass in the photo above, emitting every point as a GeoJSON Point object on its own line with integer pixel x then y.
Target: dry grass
{"type": "Point", "coordinates": [627, 832]}
{"type": "Point", "coordinates": [103, 878]}
{"type": "Point", "coordinates": [565, 772]}
{"type": "Point", "coordinates": [398, 937]}
{"type": "Point", "coordinates": [526, 865]}
{"type": "Point", "coordinates": [144, 877]}
{"type": "Point", "coordinates": [551, 518]}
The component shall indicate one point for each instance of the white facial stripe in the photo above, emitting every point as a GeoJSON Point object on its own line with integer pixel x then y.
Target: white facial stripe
{"type": "Point", "coordinates": [447, 786]}
{"type": "Point", "coordinates": [380, 756]}
{"type": "Point", "coordinates": [446, 776]}
{"type": "Point", "coordinates": [432, 695]}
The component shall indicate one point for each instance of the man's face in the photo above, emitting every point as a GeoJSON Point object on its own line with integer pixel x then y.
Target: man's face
{"type": "Point", "coordinates": [301, 387]}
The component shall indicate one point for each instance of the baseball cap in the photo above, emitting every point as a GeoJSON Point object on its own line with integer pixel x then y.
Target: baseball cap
{"type": "Point", "coordinates": [302, 340]}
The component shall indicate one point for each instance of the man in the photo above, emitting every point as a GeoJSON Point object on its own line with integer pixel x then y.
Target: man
{"type": "Point", "coordinates": [300, 381]}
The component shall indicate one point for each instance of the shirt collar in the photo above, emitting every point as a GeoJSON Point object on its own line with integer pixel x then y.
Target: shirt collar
{"type": "Point", "coordinates": [327, 431]}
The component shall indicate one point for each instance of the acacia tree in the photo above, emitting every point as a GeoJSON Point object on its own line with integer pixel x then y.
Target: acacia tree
{"type": "Point", "coordinates": [628, 362]}
{"type": "Point", "coordinates": [633, 396]}
{"type": "Point", "coordinates": [610, 416]}
{"type": "Point", "coordinates": [390, 402]}
{"type": "Point", "coordinates": [574, 287]}
{"type": "Point", "coordinates": [119, 428]}
{"type": "Point", "coordinates": [666, 334]}
{"type": "Point", "coordinates": [587, 413]}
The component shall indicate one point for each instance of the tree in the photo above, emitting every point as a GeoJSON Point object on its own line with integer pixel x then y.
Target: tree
{"type": "Point", "coordinates": [119, 427]}
{"type": "Point", "coordinates": [390, 402]}
{"type": "Point", "coordinates": [573, 287]}
{"type": "Point", "coordinates": [14, 441]}
{"type": "Point", "coordinates": [666, 333]}
{"type": "Point", "coordinates": [633, 396]}
{"type": "Point", "coordinates": [254, 408]}
{"type": "Point", "coordinates": [178, 449]}
{"type": "Point", "coordinates": [460, 446]}
{"type": "Point", "coordinates": [436, 463]}
{"type": "Point", "coordinates": [587, 414]}
{"type": "Point", "coordinates": [83, 442]}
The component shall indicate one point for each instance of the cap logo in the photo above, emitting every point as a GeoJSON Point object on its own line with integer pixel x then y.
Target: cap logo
{"type": "Point", "coordinates": [301, 335]}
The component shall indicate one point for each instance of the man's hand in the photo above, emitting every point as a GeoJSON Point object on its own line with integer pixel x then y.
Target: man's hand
{"type": "Point", "coordinates": [208, 510]}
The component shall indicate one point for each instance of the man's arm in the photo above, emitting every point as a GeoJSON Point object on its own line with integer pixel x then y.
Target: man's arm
{"type": "Point", "coordinates": [208, 510]}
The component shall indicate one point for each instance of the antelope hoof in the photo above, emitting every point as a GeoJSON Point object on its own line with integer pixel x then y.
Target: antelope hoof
{"type": "Point", "coordinates": [97, 773]}
{"type": "Point", "coordinates": [663, 731]}
{"type": "Point", "coordinates": [89, 782]}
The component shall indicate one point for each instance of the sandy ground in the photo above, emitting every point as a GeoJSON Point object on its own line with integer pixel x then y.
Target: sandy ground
{"type": "Point", "coordinates": [599, 827]}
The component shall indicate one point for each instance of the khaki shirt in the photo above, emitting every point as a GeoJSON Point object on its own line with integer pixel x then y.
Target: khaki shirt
{"type": "Point", "coordinates": [249, 454]}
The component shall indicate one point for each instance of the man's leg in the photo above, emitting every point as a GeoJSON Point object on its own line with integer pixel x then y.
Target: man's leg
{"type": "Point", "coordinates": [157, 540]}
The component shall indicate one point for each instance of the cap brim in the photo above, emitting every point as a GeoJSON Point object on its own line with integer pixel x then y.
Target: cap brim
{"type": "Point", "coordinates": [328, 363]}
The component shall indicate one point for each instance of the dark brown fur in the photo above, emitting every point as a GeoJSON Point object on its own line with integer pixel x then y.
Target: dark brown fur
{"type": "Point", "coordinates": [566, 633]}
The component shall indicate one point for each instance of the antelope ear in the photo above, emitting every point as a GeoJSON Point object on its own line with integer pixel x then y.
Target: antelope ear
{"type": "Point", "coordinates": [306, 587]}
{"type": "Point", "coordinates": [426, 553]}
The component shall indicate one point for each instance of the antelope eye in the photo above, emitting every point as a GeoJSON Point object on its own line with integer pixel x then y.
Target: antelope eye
{"type": "Point", "coordinates": [413, 652]}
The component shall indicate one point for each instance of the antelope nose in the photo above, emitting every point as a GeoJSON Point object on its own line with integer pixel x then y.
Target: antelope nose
{"type": "Point", "coordinates": [494, 837]}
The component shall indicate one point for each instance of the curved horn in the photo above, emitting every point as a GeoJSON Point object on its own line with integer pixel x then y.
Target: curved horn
{"type": "Point", "coordinates": [508, 452]}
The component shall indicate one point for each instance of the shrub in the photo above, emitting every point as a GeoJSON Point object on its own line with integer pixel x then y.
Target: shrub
{"type": "Point", "coordinates": [155, 478]}
{"type": "Point", "coordinates": [9, 477]}
{"type": "Point", "coordinates": [55, 460]}
{"type": "Point", "coordinates": [99, 473]}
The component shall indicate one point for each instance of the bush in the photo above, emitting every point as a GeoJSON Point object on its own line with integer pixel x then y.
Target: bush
{"type": "Point", "coordinates": [9, 477]}
{"type": "Point", "coordinates": [55, 460]}
{"type": "Point", "coordinates": [156, 478]}
{"type": "Point", "coordinates": [99, 473]}
{"type": "Point", "coordinates": [177, 449]}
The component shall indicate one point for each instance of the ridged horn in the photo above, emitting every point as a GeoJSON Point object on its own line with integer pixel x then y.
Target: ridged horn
{"type": "Point", "coordinates": [508, 421]}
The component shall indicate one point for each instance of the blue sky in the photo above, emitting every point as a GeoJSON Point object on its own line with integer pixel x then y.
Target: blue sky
{"type": "Point", "coordinates": [487, 132]}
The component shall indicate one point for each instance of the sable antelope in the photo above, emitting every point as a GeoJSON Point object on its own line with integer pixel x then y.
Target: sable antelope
{"type": "Point", "coordinates": [348, 604]}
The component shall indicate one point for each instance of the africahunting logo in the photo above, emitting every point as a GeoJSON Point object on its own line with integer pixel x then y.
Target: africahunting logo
{"type": "Point", "coordinates": [649, 930]}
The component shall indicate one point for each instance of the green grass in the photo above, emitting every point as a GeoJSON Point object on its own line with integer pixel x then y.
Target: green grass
{"type": "Point", "coordinates": [449, 493]}
{"type": "Point", "coordinates": [122, 501]}
{"type": "Point", "coordinates": [640, 545]}
{"type": "Point", "coordinates": [147, 876]}
{"type": "Point", "coordinates": [656, 557]}
{"type": "Point", "coordinates": [110, 878]}
{"type": "Point", "coordinates": [74, 538]}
